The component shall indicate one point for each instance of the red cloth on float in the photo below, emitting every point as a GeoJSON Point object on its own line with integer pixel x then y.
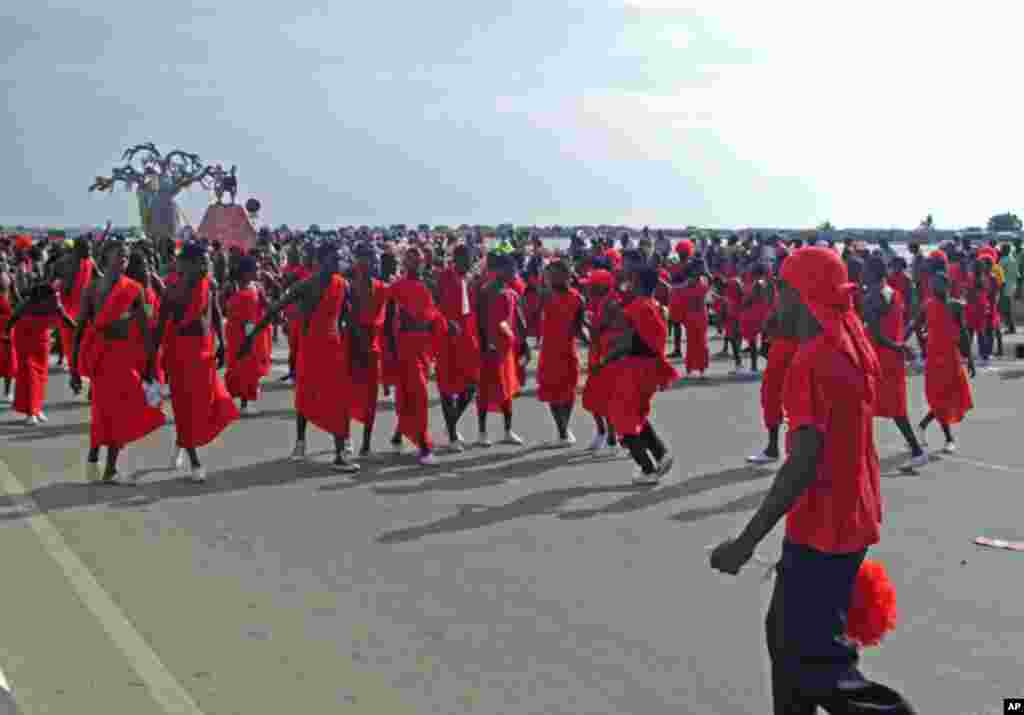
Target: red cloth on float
{"type": "Point", "coordinates": [695, 320]}
{"type": "Point", "coordinates": [780, 355]}
{"type": "Point", "coordinates": [8, 356]}
{"type": "Point", "coordinates": [32, 345]}
{"type": "Point", "coordinates": [892, 390]}
{"type": "Point", "coordinates": [558, 369]}
{"type": "Point", "coordinates": [323, 377]}
{"type": "Point", "coordinates": [242, 378]}
{"type": "Point", "coordinates": [366, 378]}
{"type": "Point", "coordinates": [120, 414]}
{"type": "Point", "coordinates": [946, 386]}
{"type": "Point", "coordinates": [458, 356]}
{"type": "Point", "coordinates": [419, 322]}
{"type": "Point", "coordinates": [636, 378]}
{"type": "Point", "coordinates": [202, 406]}
{"type": "Point", "coordinates": [72, 302]}
{"type": "Point", "coordinates": [499, 371]}
{"type": "Point", "coordinates": [597, 393]}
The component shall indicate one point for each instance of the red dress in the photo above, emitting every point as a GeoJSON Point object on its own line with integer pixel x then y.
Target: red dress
{"type": "Point", "coordinates": [202, 406]}
{"type": "Point", "coordinates": [597, 393]}
{"type": "Point", "coordinates": [32, 345]}
{"type": "Point", "coordinates": [780, 356]}
{"type": "Point", "coordinates": [366, 378]}
{"type": "Point", "coordinates": [72, 302]}
{"type": "Point", "coordinates": [752, 316]}
{"type": "Point", "coordinates": [558, 370]}
{"type": "Point", "coordinates": [418, 322]}
{"type": "Point", "coordinates": [120, 414]}
{"type": "Point", "coordinates": [499, 372]}
{"type": "Point", "coordinates": [458, 356]}
{"type": "Point", "coordinates": [892, 391]}
{"type": "Point", "coordinates": [945, 380]}
{"type": "Point", "coordinates": [695, 318]}
{"type": "Point", "coordinates": [322, 375]}
{"type": "Point", "coordinates": [246, 306]}
{"type": "Point", "coordinates": [8, 357]}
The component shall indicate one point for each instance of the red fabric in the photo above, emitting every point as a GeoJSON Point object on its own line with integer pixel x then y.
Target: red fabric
{"type": "Point", "coordinates": [872, 613]}
{"type": "Point", "coordinates": [900, 282]}
{"type": "Point", "coordinates": [518, 285]}
{"type": "Point", "coordinates": [32, 345]}
{"type": "Point", "coordinates": [892, 389]}
{"type": "Point", "coordinates": [980, 312]}
{"type": "Point", "coordinates": [117, 306]}
{"type": "Point", "coordinates": [202, 406]}
{"type": "Point", "coordinates": [8, 356]}
{"type": "Point", "coordinates": [752, 316]}
{"type": "Point", "coordinates": [246, 306]}
{"type": "Point", "coordinates": [780, 355]}
{"type": "Point", "coordinates": [120, 414]}
{"type": "Point", "coordinates": [957, 281]}
{"type": "Point", "coordinates": [323, 376]}
{"type": "Point", "coordinates": [841, 511]}
{"type": "Point", "coordinates": [152, 308]}
{"type": "Point", "coordinates": [732, 308]}
{"type": "Point", "coordinates": [695, 319]}
{"type": "Point", "coordinates": [458, 356]}
{"type": "Point", "coordinates": [499, 373]}
{"type": "Point", "coordinates": [684, 248]}
{"type": "Point", "coordinates": [413, 299]}
{"type": "Point", "coordinates": [636, 379]}
{"type": "Point", "coordinates": [366, 378]}
{"type": "Point", "coordinates": [946, 386]}
{"type": "Point", "coordinates": [597, 393]}
{"type": "Point", "coordinates": [558, 369]}
{"type": "Point", "coordinates": [72, 303]}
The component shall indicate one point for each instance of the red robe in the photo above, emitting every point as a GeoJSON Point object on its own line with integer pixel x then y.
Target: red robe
{"type": "Point", "coordinates": [120, 414]}
{"type": "Point", "coordinates": [695, 318]}
{"type": "Point", "coordinates": [323, 378]}
{"type": "Point", "coordinates": [299, 273]}
{"type": "Point", "coordinates": [418, 323]}
{"type": "Point", "coordinates": [152, 308]}
{"type": "Point", "coordinates": [366, 378]}
{"type": "Point", "coordinates": [247, 305]}
{"type": "Point", "coordinates": [891, 397]}
{"type": "Point", "coordinates": [458, 356]}
{"type": "Point", "coordinates": [72, 302]}
{"type": "Point", "coordinates": [532, 306]}
{"type": "Point", "coordinates": [637, 378]}
{"type": "Point", "coordinates": [202, 406]}
{"type": "Point", "coordinates": [8, 356]}
{"type": "Point", "coordinates": [32, 344]}
{"type": "Point", "coordinates": [597, 393]}
{"type": "Point", "coordinates": [499, 370]}
{"type": "Point", "coordinates": [980, 312]}
{"type": "Point", "coordinates": [752, 316]}
{"type": "Point", "coordinates": [946, 386]}
{"type": "Point", "coordinates": [780, 355]}
{"type": "Point", "coordinates": [558, 370]}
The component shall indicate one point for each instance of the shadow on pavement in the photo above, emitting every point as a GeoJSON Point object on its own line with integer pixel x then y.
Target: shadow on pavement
{"type": "Point", "coordinates": [749, 502]}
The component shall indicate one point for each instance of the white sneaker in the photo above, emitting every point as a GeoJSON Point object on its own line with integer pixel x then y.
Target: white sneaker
{"type": "Point", "coordinates": [762, 458]}
{"type": "Point", "coordinates": [513, 438]}
{"type": "Point", "coordinates": [198, 475]}
{"type": "Point", "coordinates": [457, 447]}
{"type": "Point", "coordinates": [599, 442]}
{"type": "Point", "coordinates": [949, 447]}
{"type": "Point", "coordinates": [345, 467]}
{"type": "Point", "coordinates": [178, 461]}
{"type": "Point", "coordinates": [31, 421]}
{"type": "Point", "coordinates": [349, 449]}
{"type": "Point", "coordinates": [299, 453]}
{"type": "Point", "coordinates": [645, 480]}
{"type": "Point", "coordinates": [427, 460]}
{"type": "Point", "coordinates": [665, 465]}
{"type": "Point", "coordinates": [570, 439]}
{"type": "Point", "coordinates": [42, 417]}
{"type": "Point", "coordinates": [920, 460]}
{"type": "Point", "coordinates": [484, 441]}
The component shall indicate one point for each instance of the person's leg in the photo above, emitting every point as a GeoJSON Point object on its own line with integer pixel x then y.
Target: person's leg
{"type": "Point", "coordinates": [341, 461]}
{"type": "Point", "coordinates": [111, 471]}
{"type": "Point", "coordinates": [638, 451]}
{"type": "Point", "coordinates": [448, 410]}
{"type": "Point", "coordinates": [193, 458]}
{"type": "Point", "coordinates": [653, 442]}
{"type": "Point", "coordinates": [946, 432]}
{"type": "Point", "coordinates": [903, 423]}
{"type": "Point", "coordinates": [754, 354]}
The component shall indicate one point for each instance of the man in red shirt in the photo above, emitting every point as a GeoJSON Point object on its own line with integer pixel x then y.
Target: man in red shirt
{"type": "Point", "coordinates": [829, 491]}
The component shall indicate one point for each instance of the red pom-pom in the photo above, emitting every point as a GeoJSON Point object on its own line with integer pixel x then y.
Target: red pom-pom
{"type": "Point", "coordinates": [872, 613]}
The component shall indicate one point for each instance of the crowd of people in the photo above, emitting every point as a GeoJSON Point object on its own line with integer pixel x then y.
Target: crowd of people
{"type": "Point", "coordinates": [367, 315]}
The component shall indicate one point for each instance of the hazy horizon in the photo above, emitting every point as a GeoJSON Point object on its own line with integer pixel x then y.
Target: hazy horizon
{"type": "Point", "coordinates": [647, 112]}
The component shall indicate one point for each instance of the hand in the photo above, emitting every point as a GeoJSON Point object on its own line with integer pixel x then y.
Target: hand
{"type": "Point", "coordinates": [730, 556]}
{"type": "Point", "coordinates": [76, 383]}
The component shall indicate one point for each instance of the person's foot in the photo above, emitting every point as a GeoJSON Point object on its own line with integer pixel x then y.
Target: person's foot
{"type": "Point", "coordinates": [665, 464]}
{"type": "Point", "coordinates": [343, 465]}
{"type": "Point", "coordinates": [456, 446]}
{"type": "Point", "coordinates": [484, 441]}
{"type": "Point", "coordinates": [599, 442]}
{"type": "Point", "coordinates": [645, 479]}
{"type": "Point", "coordinates": [921, 436]}
{"type": "Point", "coordinates": [197, 475]}
{"type": "Point", "coordinates": [427, 459]}
{"type": "Point", "coordinates": [112, 478]}
{"type": "Point", "coordinates": [949, 447]}
{"type": "Point", "coordinates": [513, 438]}
{"type": "Point", "coordinates": [178, 459]}
{"type": "Point", "coordinates": [42, 417]}
{"type": "Point", "coordinates": [764, 457]}
{"type": "Point", "coordinates": [396, 446]}
{"type": "Point", "coordinates": [299, 453]}
{"type": "Point", "coordinates": [916, 461]}
{"type": "Point", "coordinates": [350, 450]}
{"type": "Point", "coordinates": [365, 452]}
{"type": "Point", "coordinates": [31, 421]}
{"type": "Point", "coordinates": [92, 471]}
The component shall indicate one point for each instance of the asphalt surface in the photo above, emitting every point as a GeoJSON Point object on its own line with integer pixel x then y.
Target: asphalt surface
{"type": "Point", "coordinates": [506, 581]}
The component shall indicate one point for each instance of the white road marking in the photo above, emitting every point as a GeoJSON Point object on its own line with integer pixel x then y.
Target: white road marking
{"type": "Point", "coordinates": [165, 690]}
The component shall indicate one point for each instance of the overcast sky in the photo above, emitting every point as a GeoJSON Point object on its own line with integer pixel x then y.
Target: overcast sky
{"type": "Point", "coordinates": [539, 111]}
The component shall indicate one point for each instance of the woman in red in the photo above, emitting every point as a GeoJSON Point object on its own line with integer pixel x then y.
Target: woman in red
{"type": "Point", "coordinates": [885, 318]}
{"type": "Point", "coordinates": [607, 325]}
{"type": "Point", "coordinates": [693, 293]}
{"type": "Point", "coordinates": [245, 308]}
{"type": "Point", "coordinates": [756, 307]}
{"type": "Point", "coordinates": [8, 357]}
{"type": "Point", "coordinates": [110, 346]}
{"type": "Point", "coordinates": [369, 299]}
{"type": "Point", "coordinates": [981, 314]}
{"type": "Point", "coordinates": [202, 406]}
{"type": "Point", "coordinates": [639, 369]}
{"type": "Point", "coordinates": [946, 386]}
{"type": "Point", "coordinates": [558, 370]}
{"type": "Point", "coordinates": [299, 269]}
{"type": "Point", "coordinates": [35, 318]}
{"type": "Point", "coordinates": [829, 492]}
{"type": "Point", "coordinates": [501, 324]}
{"type": "Point", "coordinates": [677, 304]}
{"type": "Point", "coordinates": [77, 277]}
{"type": "Point", "coordinates": [781, 330]}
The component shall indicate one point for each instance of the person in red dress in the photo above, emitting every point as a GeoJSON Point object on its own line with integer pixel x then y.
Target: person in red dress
{"type": "Point", "coordinates": [300, 268]}
{"type": "Point", "coordinates": [190, 314]}
{"type": "Point", "coordinates": [8, 357]}
{"type": "Point", "coordinates": [829, 491]}
{"type": "Point", "coordinates": [323, 378]}
{"type": "Point", "coordinates": [110, 344]}
{"type": "Point", "coordinates": [755, 308]}
{"type": "Point", "coordinates": [639, 369]}
{"type": "Point", "coordinates": [781, 331]}
{"type": "Point", "coordinates": [458, 355]}
{"type": "Point", "coordinates": [693, 295]}
{"type": "Point", "coordinates": [501, 324]}
{"type": "Point", "coordinates": [141, 269]}
{"type": "Point", "coordinates": [77, 273]}
{"type": "Point", "coordinates": [607, 325]}
{"type": "Point", "coordinates": [245, 308]}
{"type": "Point", "coordinates": [31, 325]}
{"type": "Point", "coordinates": [946, 384]}
{"type": "Point", "coordinates": [885, 318]}
{"type": "Point", "coordinates": [368, 312]}
{"type": "Point", "coordinates": [677, 305]}
{"type": "Point", "coordinates": [558, 369]}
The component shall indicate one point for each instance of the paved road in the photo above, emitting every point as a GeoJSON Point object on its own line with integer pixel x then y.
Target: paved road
{"type": "Point", "coordinates": [509, 581]}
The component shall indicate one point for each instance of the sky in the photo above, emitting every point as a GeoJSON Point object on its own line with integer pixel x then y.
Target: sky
{"type": "Point", "coordinates": [637, 112]}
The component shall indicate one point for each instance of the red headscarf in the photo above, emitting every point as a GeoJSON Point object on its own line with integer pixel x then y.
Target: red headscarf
{"type": "Point", "coordinates": [684, 248]}
{"type": "Point", "coordinates": [821, 279]}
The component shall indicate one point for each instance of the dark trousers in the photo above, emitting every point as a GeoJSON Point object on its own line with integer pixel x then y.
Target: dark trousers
{"type": "Point", "coordinates": [986, 339]}
{"type": "Point", "coordinates": [813, 664]}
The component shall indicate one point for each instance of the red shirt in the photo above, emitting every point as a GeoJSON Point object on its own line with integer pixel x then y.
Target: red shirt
{"type": "Point", "coordinates": [841, 511]}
